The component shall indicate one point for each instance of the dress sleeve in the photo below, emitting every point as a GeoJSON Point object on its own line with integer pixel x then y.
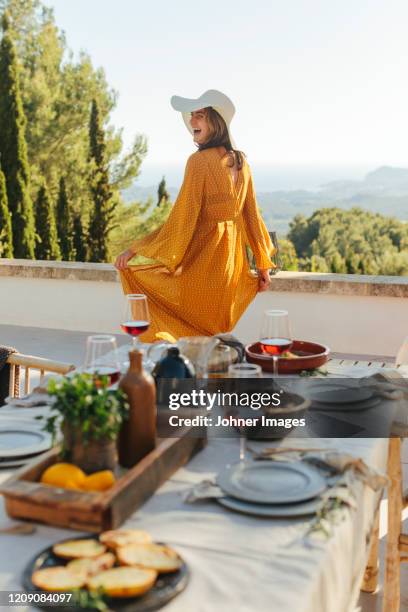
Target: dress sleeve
{"type": "Point", "coordinates": [169, 242]}
{"type": "Point", "coordinates": [257, 233]}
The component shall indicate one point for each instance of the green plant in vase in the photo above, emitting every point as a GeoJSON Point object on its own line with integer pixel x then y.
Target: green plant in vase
{"type": "Point", "coordinates": [89, 416]}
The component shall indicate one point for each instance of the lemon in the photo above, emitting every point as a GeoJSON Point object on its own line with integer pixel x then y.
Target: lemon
{"type": "Point", "coordinates": [65, 475]}
{"type": "Point", "coordinates": [166, 337]}
{"type": "Point", "coordinates": [99, 481]}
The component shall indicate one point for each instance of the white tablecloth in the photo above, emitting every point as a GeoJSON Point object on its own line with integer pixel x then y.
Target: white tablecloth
{"type": "Point", "coordinates": [239, 562]}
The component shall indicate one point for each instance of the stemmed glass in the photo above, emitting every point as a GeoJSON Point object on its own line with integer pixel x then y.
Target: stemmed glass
{"type": "Point", "coordinates": [401, 361]}
{"type": "Point", "coordinates": [275, 336]}
{"type": "Point", "coordinates": [136, 318]}
{"type": "Point", "coordinates": [243, 370]}
{"type": "Point", "coordinates": [102, 357]}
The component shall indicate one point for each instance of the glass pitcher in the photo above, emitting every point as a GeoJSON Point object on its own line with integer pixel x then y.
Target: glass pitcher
{"type": "Point", "coordinates": [198, 349]}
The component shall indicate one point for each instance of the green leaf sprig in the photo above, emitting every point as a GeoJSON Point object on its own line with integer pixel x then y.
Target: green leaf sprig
{"type": "Point", "coordinates": [87, 404]}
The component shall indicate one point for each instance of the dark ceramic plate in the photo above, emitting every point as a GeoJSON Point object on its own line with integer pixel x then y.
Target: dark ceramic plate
{"type": "Point", "coordinates": [167, 586]}
{"type": "Point", "coordinates": [310, 355]}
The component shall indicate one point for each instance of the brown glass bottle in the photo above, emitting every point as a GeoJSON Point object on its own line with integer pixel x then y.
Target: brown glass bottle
{"type": "Point", "coordinates": [137, 436]}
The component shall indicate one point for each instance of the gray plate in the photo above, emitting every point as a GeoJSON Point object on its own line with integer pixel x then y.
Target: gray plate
{"type": "Point", "coordinates": [341, 396]}
{"type": "Point", "coordinates": [310, 506]}
{"type": "Point", "coordinates": [20, 439]}
{"type": "Point", "coordinates": [271, 482]}
{"type": "Point", "coordinates": [370, 403]}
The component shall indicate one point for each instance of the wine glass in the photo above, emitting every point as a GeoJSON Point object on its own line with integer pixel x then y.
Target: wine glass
{"type": "Point", "coordinates": [275, 336]}
{"type": "Point", "coordinates": [136, 318]}
{"type": "Point", "coordinates": [401, 360]}
{"type": "Point", "coordinates": [102, 357]}
{"type": "Point", "coordinates": [243, 370]}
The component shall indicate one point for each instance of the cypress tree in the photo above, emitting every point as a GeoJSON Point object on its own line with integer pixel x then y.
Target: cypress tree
{"type": "Point", "coordinates": [6, 233]}
{"type": "Point", "coordinates": [163, 195]}
{"type": "Point", "coordinates": [103, 205]}
{"type": "Point", "coordinates": [79, 239]}
{"type": "Point", "coordinates": [47, 246]}
{"type": "Point", "coordinates": [13, 149]}
{"type": "Point", "coordinates": [64, 223]}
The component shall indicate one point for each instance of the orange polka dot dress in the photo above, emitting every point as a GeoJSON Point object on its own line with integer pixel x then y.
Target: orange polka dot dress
{"type": "Point", "coordinates": [200, 282]}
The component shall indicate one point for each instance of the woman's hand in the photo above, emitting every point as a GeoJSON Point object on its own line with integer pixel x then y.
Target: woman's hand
{"type": "Point", "coordinates": [121, 262]}
{"type": "Point", "coordinates": [264, 280]}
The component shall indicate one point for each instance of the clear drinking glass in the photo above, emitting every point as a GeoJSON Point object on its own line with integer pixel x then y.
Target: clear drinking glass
{"type": "Point", "coordinates": [243, 370]}
{"type": "Point", "coordinates": [102, 357]}
{"type": "Point", "coordinates": [136, 318]}
{"type": "Point", "coordinates": [276, 336]}
{"type": "Point", "coordinates": [220, 360]}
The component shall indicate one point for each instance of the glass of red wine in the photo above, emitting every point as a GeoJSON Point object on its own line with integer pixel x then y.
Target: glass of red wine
{"type": "Point", "coordinates": [136, 318]}
{"type": "Point", "coordinates": [102, 358]}
{"type": "Point", "coordinates": [276, 337]}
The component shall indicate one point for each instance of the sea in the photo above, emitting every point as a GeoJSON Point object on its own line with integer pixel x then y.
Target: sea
{"type": "Point", "coordinates": [267, 177]}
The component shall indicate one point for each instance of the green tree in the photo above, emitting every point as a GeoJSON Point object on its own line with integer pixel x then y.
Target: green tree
{"type": "Point", "coordinates": [80, 239]}
{"type": "Point", "coordinates": [13, 149]}
{"type": "Point", "coordinates": [65, 223]}
{"type": "Point", "coordinates": [355, 241]}
{"type": "Point", "coordinates": [135, 220]}
{"type": "Point", "coordinates": [163, 195]}
{"type": "Point", "coordinates": [103, 202]}
{"type": "Point", "coordinates": [47, 246]}
{"type": "Point", "coordinates": [57, 93]}
{"type": "Point", "coordinates": [6, 233]}
{"type": "Point", "coordinates": [288, 255]}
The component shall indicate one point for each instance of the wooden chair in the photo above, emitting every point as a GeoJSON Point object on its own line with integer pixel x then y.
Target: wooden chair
{"type": "Point", "coordinates": [396, 551]}
{"type": "Point", "coordinates": [397, 542]}
{"type": "Point", "coordinates": [28, 363]}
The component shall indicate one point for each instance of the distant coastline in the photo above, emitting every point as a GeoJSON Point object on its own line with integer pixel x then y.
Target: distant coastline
{"type": "Point", "coordinates": [383, 190]}
{"type": "Point", "coordinates": [268, 177]}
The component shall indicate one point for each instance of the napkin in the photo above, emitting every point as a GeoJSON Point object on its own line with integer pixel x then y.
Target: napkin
{"type": "Point", "coordinates": [38, 397]}
{"type": "Point", "coordinates": [336, 462]}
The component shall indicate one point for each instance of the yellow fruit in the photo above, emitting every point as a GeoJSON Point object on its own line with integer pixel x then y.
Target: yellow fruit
{"type": "Point", "coordinates": [65, 475]}
{"type": "Point", "coordinates": [99, 481]}
{"type": "Point", "coordinates": [166, 337]}
{"type": "Point", "coordinates": [71, 484]}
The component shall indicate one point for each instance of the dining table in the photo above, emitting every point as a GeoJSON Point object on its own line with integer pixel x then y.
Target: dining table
{"type": "Point", "coordinates": [240, 562]}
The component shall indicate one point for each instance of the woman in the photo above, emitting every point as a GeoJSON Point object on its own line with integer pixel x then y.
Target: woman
{"type": "Point", "coordinates": [201, 282]}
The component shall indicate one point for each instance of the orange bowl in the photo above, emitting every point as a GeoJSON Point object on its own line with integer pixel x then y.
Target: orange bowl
{"type": "Point", "coordinates": [310, 355]}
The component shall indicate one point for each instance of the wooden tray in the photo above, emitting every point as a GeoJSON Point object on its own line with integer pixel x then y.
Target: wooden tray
{"type": "Point", "coordinates": [26, 498]}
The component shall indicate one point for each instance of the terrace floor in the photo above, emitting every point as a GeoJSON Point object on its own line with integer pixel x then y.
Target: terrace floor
{"type": "Point", "coordinates": [69, 346]}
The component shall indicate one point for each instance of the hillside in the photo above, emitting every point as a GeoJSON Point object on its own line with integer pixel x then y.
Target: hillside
{"type": "Point", "coordinates": [384, 190]}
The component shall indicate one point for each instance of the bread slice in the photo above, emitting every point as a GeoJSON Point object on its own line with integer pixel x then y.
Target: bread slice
{"type": "Point", "coordinates": [153, 556]}
{"type": "Point", "coordinates": [57, 579]}
{"type": "Point", "coordinates": [123, 581]}
{"type": "Point", "coordinates": [122, 537]}
{"type": "Point", "coordinates": [91, 566]}
{"type": "Point", "coordinates": [78, 549]}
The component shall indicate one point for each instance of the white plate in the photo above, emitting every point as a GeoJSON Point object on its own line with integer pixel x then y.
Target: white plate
{"type": "Point", "coordinates": [21, 438]}
{"type": "Point", "coordinates": [310, 506]}
{"type": "Point", "coordinates": [271, 482]}
{"type": "Point", "coordinates": [14, 463]}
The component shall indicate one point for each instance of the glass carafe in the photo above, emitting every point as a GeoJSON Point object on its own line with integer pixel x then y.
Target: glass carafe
{"type": "Point", "coordinates": [198, 349]}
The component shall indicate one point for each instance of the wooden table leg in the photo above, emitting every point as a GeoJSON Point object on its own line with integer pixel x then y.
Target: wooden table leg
{"type": "Point", "coordinates": [391, 601]}
{"type": "Point", "coordinates": [370, 580]}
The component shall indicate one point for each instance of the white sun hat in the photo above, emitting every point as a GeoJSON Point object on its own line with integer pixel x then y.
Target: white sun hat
{"type": "Point", "coordinates": [214, 98]}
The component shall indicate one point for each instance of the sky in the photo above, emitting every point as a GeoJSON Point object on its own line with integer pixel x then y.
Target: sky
{"type": "Point", "coordinates": [314, 82]}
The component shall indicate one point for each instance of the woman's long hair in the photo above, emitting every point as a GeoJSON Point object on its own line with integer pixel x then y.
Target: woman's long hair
{"type": "Point", "coordinates": [220, 137]}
